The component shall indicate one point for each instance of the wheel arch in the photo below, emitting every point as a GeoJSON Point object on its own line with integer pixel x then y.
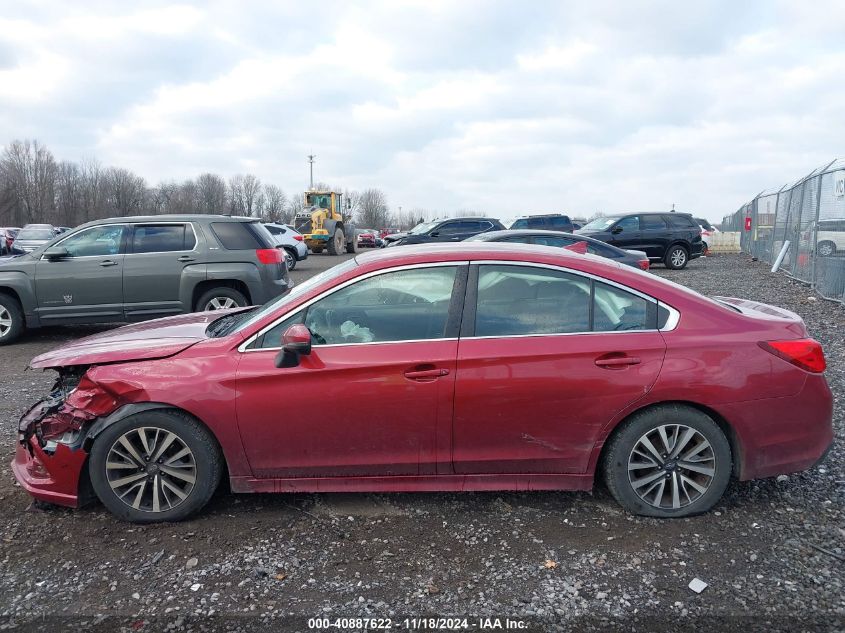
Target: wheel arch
{"type": "Point", "coordinates": [209, 284]}
{"type": "Point", "coordinates": [737, 455]}
{"type": "Point", "coordinates": [85, 489]}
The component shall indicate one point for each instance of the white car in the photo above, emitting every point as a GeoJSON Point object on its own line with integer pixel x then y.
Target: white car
{"type": "Point", "coordinates": [830, 237]}
{"type": "Point", "coordinates": [707, 230]}
{"type": "Point", "coordinates": [289, 239]}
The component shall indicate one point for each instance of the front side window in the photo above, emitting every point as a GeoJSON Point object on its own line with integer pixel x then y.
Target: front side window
{"type": "Point", "coordinates": [559, 222]}
{"type": "Point", "coordinates": [163, 238]}
{"type": "Point", "coordinates": [94, 242]}
{"type": "Point", "coordinates": [403, 305]}
{"type": "Point", "coordinates": [522, 300]}
{"type": "Point", "coordinates": [629, 224]}
{"type": "Point", "coordinates": [451, 228]}
{"type": "Point", "coordinates": [537, 223]}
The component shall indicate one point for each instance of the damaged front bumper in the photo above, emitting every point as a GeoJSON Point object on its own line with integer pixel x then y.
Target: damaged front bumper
{"type": "Point", "coordinates": [50, 456]}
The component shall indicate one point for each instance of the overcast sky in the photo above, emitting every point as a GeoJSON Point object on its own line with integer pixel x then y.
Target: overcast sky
{"type": "Point", "coordinates": [503, 107]}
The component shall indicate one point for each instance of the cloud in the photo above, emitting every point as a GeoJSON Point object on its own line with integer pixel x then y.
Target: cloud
{"type": "Point", "coordinates": [506, 107]}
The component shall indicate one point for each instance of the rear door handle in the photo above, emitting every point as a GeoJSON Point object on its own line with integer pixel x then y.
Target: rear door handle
{"type": "Point", "coordinates": [185, 258]}
{"type": "Point", "coordinates": [425, 374]}
{"type": "Point", "coordinates": [108, 262]}
{"type": "Point", "coordinates": [618, 361]}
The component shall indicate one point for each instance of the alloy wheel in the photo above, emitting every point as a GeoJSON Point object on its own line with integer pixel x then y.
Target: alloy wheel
{"type": "Point", "coordinates": [220, 303]}
{"type": "Point", "coordinates": [5, 321]}
{"type": "Point", "coordinates": [825, 250]}
{"type": "Point", "coordinates": [678, 257]}
{"type": "Point", "coordinates": [671, 466]}
{"type": "Point", "coordinates": [151, 469]}
{"type": "Point", "coordinates": [289, 261]}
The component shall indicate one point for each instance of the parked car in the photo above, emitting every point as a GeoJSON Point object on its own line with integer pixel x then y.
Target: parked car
{"type": "Point", "coordinates": [488, 372]}
{"type": "Point", "coordinates": [62, 229]}
{"type": "Point", "coordinates": [289, 239]}
{"type": "Point", "coordinates": [367, 239]}
{"type": "Point", "coordinates": [387, 231]}
{"type": "Point", "coordinates": [32, 236]}
{"type": "Point", "coordinates": [707, 230]}
{"type": "Point", "coordinates": [671, 238]}
{"type": "Point", "coordinates": [133, 269]}
{"type": "Point", "coordinates": [830, 238]}
{"type": "Point", "coordinates": [7, 239]}
{"type": "Point", "coordinates": [448, 230]}
{"type": "Point", "coordinates": [547, 222]}
{"type": "Point", "coordinates": [637, 259]}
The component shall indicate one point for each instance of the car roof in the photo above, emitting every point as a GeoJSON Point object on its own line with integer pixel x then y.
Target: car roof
{"type": "Point", "coordinates": [489, 235]}
{"type": "Point", "coordinates": [165, 217]}
{"type": "Point", "coordinates": [542, 215]}
{"type": "Point", "coordinates": [462, 217]}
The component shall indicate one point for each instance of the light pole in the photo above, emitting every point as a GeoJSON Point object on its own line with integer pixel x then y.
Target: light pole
{"type": "Point", "coordinates": [311, 158]}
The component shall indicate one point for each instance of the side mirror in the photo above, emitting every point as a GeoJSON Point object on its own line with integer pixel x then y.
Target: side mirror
{"type": "Point", "coordinates": [56, 252]}
{"type": "Point", "coordinates": [616, 230]}
{"type": "Point", "coordinates": [435, 234]}
{"type": "Point", "coordinates": [296, 342]}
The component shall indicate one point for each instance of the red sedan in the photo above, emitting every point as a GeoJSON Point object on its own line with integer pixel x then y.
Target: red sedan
{"type": "Point", "coordinates": [496, 367]}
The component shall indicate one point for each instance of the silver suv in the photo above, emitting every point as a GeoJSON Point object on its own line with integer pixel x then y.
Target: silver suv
{"type": "Point", "coordinates": [139, 268]}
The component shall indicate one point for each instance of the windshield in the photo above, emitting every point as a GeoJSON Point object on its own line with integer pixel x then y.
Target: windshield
{"type": "Point", "coordinates": [36, 234]}
{"type": "Point", "coordinates": [279, 303]}
{"type": "Point", "coordinates": [421, 228]}
{"type": "Point", "coordinates": [599, 224]}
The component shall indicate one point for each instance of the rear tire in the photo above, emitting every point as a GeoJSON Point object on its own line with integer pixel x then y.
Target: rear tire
{"type": "Point", "coordinates": [12, 323]}
{"type": "Point", "coordinates": [669, 483]}
{"type": "Point", "coordinates": [290, 259]}
{"type": "Point", "coordinates": [222, 298]}
{"type": "Point", "coordinates": [338, 242]}
{"type": "Point", "coordinates": [826, 249]}
{"type": "Point", "coordinates": [676, 258]}
{"type": "Point", "coordinates": [143, 490]}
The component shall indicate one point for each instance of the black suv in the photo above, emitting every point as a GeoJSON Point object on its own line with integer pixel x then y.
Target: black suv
{"type": "Point", "coordinates": [139, 268]}
{"type": "Point", "coordinates": [671, 238]}
{"type": "Point", "coordinates": [548, 222]}
{"type": "Point", "coordinates": [451, 230]}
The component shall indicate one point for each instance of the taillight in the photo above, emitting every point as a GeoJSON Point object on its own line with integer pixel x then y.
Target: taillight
{"type": "Point", "coordinates": [643, 264]}
{"type": "Point", "coordinates": [298, 238]}
{"type": "Point", "coordinates": [805, 353]}
{"type": "Point", "coordinates": [269, 255]}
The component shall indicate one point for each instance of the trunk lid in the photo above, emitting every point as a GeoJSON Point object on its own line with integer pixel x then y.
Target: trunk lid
{"type": "Point", "coordinates": [765, 312]}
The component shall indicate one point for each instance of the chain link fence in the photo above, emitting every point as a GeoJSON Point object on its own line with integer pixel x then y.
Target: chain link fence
{"type": "Point", "coordinates": [809, 214]}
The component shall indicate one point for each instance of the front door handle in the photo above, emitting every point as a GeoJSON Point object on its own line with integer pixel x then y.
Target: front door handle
{"type": "Point", "coordinates": [617, 362]}
{"type": "Point", "coordinates": [426, 374]}
{"type": "Point", "coordinates": [185, 258]}
{"type": "Point", "coordinates": [107, 262]}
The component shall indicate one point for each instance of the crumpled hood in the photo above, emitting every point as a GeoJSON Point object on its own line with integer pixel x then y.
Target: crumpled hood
{"type": "Point", "coordinates": [158, 338]}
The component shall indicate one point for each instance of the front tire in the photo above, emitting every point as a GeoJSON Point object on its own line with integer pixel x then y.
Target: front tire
{"type": "Point", "coordinates": [338, 242]}
{"type": "Point", "coordinates": [155, 466]}
{"type": "Point", "coordinates": [677, 257]}
{"type": "Point", "coordinates": [222, 298]}
{"type": "Point", "coordinates": [352, 247]}
{"type": "Point", "coordinates": [668, 461]}
{"type": "Point", "coordinates": [12, 322]}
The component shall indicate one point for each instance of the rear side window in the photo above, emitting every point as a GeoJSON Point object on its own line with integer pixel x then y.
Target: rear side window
{"type": "Point", "coordinates": [520, 224]}
{"type": "Point", "coordinates": [240, 236]}
{"type": "Point", "coordinates": [163, 238]}
{"type": "Point", "coordinates": [680, 221]}
{"type": "Point", "coordinates": [537, 223]}
{"type": "Point", "coordinates": [560, 222]}
{"type": "Point", "coordinates": [652, 223]}
{"type": "Point", "coordinates": [523, 300]}
{"type": "Point", "coordinates": [552, 240]}
{"type": "Point", "coordinates": [615, 310]}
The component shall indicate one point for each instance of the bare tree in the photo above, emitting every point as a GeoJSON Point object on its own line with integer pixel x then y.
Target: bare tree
{"type": "Point", "coordinates": [126, 191]}
{"type": "Point", "coordinates": [275, 202]}
{"type": "Point", "coordinates": [91, 189]}
{"type": "Point", "coordinates": [211, 193]}
{"type": "Point", "coordinates": [236, 195]}
{"type": "Point", "coordinates": [251, 187]}
{"type": "Point", "coordinates": [29, 170]}
{"type": "Point", "coordinates": [69, 210]}
{"type": "Point", "coordinates": [371, 206]}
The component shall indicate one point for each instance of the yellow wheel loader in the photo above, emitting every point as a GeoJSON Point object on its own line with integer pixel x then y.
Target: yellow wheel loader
{"type": "Point", "coordinates": [323, 224]}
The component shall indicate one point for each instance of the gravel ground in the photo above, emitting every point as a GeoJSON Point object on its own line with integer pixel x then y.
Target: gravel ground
{"type": "Point", "coordinates": [771, 552]}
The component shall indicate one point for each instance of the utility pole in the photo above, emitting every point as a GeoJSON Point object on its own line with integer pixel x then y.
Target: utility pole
{"type": "Point", "coordinates": [311, 158]}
